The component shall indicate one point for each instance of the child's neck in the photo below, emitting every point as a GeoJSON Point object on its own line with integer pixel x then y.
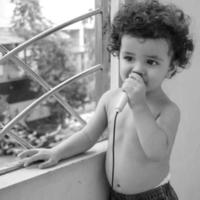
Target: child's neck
{"type": "Point", "coordinates": [155, 94]}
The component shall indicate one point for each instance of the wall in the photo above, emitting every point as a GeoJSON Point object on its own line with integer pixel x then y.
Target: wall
{"type": "Point", "coordinates": [81, 177]}
{"type": "Point", "coordinates": [183, 89]}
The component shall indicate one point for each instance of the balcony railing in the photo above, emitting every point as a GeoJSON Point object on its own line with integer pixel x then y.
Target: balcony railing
{"type": "Point", "coordinates": [6, 129]}
{"type": "Point", "coordinates": [50, 91]}
{"type": "Point", "coordinates": [85, 174]}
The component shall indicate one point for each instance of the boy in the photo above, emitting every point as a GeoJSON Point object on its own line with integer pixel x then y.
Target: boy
{"type": "Point", "coordinates": [151, 41]}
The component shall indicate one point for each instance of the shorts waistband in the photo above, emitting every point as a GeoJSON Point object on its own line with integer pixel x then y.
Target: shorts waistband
{"type": "Point", "coordinates": [155, 193]}
{"type": "Point", "coordinates": [165, 180]}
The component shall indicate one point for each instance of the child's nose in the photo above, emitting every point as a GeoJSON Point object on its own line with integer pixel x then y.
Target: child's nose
{"type": "Point", "coordinates": [139, 73]}
{"type": "Point", "coordinates": [139, 69]}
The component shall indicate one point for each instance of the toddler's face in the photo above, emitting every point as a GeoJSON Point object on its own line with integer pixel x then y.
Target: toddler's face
{"type": "Point", "coordinates": [150, 57]}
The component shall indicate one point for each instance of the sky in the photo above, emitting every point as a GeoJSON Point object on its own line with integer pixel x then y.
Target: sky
{"type": "Point", "coordinates": [58, 11]}
{"type": "Point", "coordinates": [61, 10]}
{"type": "Point", "coordinates": [5, 12]}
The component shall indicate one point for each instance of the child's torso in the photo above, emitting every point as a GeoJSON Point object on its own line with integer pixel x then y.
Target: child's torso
{"type": "Point", "coordinates": [134, 172]}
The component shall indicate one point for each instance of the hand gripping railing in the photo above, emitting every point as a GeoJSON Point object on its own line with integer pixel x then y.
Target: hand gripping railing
{"type": "Point", "coordinates": [57, 88]}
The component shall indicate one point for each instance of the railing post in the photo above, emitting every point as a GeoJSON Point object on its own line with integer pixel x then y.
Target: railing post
{"type": "Point", "coordinates": [102, 27]}
{"type": "Point", "coordinates": [114, 68]}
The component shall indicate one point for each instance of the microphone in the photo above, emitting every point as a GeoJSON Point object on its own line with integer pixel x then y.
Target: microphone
{"type": "Point", "coordinates": [124, 98]}
{"type": "Point", "coordinates": [122, 102]}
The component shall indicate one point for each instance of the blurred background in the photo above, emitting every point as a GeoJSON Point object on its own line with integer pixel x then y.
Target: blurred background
{"type": "Point", "coordinates": [70, 51]}
{"type": "Point", "coordinates": [55, 58]}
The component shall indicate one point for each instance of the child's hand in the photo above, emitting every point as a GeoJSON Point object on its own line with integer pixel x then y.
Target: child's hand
{"type": "Point", "coordinates": [135, 88]}
{"type": "Point", "coordinates": [47, 156]}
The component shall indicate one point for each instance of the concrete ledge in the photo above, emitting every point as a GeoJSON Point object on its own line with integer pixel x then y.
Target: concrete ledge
{"type": "Point", "coordinates": [82, 177]}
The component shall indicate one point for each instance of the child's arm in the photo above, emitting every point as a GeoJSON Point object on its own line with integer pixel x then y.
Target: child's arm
{"type": "Point", "coordinates": [77, 143]}
{"type": "Point", "coordinates": [156, 136]}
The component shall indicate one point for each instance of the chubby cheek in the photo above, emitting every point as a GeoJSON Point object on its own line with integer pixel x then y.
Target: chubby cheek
{"type": "Point", "coordinates": [123, 73]}
{"type": "Point", "coordinates": [154, 82]}
{"type": "Point", "coordinates": [122, 76]}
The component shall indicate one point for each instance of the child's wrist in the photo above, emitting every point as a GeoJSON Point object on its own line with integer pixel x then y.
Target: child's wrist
{"type": "Point", "coordinates": [56, 153]}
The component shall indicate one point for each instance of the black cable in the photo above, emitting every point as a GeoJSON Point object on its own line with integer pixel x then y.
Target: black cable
{"type": "Point", "coordinates": [113, 152]}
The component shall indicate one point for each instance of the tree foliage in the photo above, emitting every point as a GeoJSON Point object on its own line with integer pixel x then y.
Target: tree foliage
{"type": "Point", "coordinates": [52, 58]}
{"type": "Point", "coordinates": [27, 18]}
{"type": "Point", "coordinates": [51, 55]}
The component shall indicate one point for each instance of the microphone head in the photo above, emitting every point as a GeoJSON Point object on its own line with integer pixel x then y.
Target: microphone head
{"type": "Point", "coordinates": [122, 102]}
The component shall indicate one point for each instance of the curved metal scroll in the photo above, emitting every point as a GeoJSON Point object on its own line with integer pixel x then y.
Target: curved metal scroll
{"type": "Point", "coordinates": [44, 84]}
{"type": "Point", "coordinates": [48, 32]}
{"type": "Point", "coordinates": [11, 55]}
{"type": "Point", "coordinates": [57, 88]}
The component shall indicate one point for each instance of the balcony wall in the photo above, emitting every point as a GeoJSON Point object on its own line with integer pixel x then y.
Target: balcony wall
{"type": "Point", "coordinates": [82, 177]}
{"type": "Point", "coordinates": [185, 161]}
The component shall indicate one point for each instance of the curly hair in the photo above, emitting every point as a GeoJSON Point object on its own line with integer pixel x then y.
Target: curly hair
{"type": "Point", "coordinates": [150, 19]}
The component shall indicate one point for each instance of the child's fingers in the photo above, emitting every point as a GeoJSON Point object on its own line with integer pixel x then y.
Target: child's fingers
{"type": "Point", "coordinates": [33, 159]}
{"type": "Point", "coordinates": [47, 164]}
{"type": "Point", "coordinates": [27, 153]}
{"type": "Point", "coordinates": [137, 76]}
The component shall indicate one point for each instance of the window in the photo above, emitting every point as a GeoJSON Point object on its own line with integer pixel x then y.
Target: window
{"type": "Point", "coordinates": [55, 58]}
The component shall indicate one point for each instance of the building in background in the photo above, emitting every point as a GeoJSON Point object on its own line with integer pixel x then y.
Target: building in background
{"type": "Point", "coordinates": [15, 92]}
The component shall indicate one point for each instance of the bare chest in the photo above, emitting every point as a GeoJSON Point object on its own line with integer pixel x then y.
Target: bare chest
{"type": "Point", "coordinates": [124, 130]}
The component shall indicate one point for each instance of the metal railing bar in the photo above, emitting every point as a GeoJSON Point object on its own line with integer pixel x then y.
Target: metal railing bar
{"type": "Point", "coordinates": [18, 139]}
{"type": "Point", "coordinates": [57, 88]}
{"type": "Point", "coordinates": [48, 32]}
{"type": "Point", "coordinates": [44, 84]}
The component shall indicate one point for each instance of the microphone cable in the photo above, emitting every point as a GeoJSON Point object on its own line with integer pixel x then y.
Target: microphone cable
{"type": "Point", "coordinates": [113, 153]}
{"type": "Point", "coordinates": [119, 108]}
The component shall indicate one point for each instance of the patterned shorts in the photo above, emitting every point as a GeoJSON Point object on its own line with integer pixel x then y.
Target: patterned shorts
{"type": "Point", "coordinates": [163, 192]}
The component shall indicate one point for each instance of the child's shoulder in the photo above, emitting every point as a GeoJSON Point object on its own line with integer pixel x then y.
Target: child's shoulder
{"type": "Point", "coordinates": [169, 108]}
{"type": "Point", "coordinates": [110, 96]}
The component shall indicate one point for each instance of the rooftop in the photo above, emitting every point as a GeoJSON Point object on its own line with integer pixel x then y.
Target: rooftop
{"type": "Point", "coordinates": [7, 36]}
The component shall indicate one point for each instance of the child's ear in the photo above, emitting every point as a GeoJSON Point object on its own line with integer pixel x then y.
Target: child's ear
{"type": "Point", "coordinates": [169, 74]}
{"type": "Point", "coordinates": [171, 71]}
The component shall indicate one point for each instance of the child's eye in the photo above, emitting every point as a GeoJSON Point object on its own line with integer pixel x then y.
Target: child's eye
{"type": "Point", "coordinates": [152, 62]}
{"type": "Point", "coordinates": [128, 58]}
